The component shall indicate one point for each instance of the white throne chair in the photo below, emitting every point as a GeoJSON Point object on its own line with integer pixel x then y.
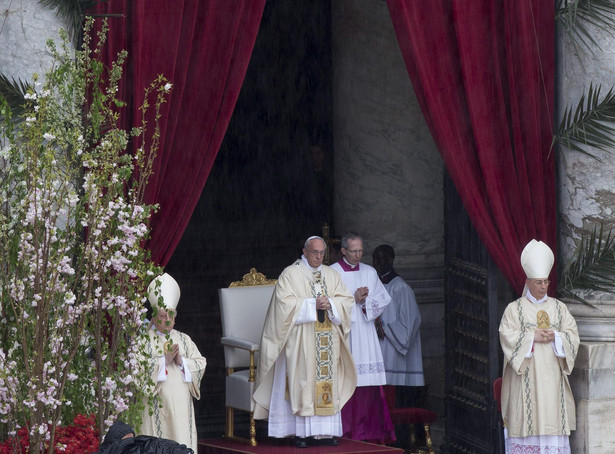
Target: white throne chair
{"type": "Point", "coordinates": [243, 307]}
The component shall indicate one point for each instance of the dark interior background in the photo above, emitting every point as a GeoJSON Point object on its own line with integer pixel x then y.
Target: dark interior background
{"type": "Point", "coordinates": [263, 196]}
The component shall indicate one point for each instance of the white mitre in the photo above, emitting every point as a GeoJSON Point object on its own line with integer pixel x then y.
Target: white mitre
{"type": "Point", "coordinates": [164, 289]}
{"type": "Point", "coordinates": [537, 260]}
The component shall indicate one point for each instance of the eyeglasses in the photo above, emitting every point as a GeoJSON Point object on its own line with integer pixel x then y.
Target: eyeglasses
{"type": "Point", "coordinates": [356, 251]}
{"type": "Point", "coordinates": [540, 283]}
{"type": "Point", "coordinates": [317, 253]}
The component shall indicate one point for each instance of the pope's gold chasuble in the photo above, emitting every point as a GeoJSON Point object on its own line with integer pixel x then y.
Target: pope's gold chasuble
{"type": "Point", "coordinates": [320, 371]}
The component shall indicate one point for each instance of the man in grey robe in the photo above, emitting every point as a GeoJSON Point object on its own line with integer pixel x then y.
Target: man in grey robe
{"type": "Point", "coordinates": [398, 329]}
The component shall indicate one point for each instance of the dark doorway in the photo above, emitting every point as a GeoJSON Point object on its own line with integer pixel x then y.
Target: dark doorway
{"type": "Point", "coordinates": [475, 298]}
{"type": "Point", "coordinates": [256, 208]}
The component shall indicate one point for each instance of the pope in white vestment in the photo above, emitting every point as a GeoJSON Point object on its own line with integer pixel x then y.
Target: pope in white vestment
{"type": "Point", "coordinates": [366, 417]}
{"type": "Point", "coordinates": [306, 373]}
{"type": "Point", "coordinates": [540, 341]}
{"type": "Point", "coordinates": [177, 368]}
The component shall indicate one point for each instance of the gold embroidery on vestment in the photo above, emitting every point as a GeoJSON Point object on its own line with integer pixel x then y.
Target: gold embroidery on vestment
{"type": "Point", "coordinates": [542, 319]}
{"type": "Point", "coordinates": [324, 395]}
{"type": "Point", "coordinates": [323, 406]}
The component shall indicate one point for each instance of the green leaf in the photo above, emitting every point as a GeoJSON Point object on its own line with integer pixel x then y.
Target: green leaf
{"type": "Point", "coordinates": [592, 268]}
{"type": "Point", "coordinates": [72, 12]}
{"type": "Point", "coordinates": [575, 15]}
{"type": "Point", "coordinates": [13, 91]}
{"type": "Point", "coordinates": [593, 123]}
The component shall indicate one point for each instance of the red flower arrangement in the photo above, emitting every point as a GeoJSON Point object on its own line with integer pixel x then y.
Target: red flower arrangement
{"type": "Point", "coordinates": [79, 438]}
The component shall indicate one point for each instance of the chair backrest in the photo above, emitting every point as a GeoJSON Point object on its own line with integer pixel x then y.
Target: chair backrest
{"type": "Point", "coordinates": [243, 311]}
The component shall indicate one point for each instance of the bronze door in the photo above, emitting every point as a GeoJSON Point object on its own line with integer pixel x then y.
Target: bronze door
{"type": "Point", "coordinates": [475, 296]}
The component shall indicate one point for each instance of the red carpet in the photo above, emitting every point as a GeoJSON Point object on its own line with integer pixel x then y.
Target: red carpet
{"type": "Point", "coordinates": [286, 446]}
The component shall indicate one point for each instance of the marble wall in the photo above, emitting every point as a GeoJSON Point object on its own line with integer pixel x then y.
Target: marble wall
{"type": "Point", "coordinates": [388, 184]}
{"type": "Point", "coordinates": [25, 27]}
{"type": "Point", "coordinates": [388, 172]}
{"type": "Point", "coordinates": [586, 198]}
{"type": "Point", "coordinates": [586, 189]}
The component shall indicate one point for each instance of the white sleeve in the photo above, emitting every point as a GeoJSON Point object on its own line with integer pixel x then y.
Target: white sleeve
{"type": "Point", "coordinates": [307, 313]}
{"type": "Point", "coordinates": [377, 300]}
{"type": "Point", "coordinates": [530, 353]}
{"type": "Point", "coordinates": [558, 348]}
{"type": "Point", "coordinates": [334, 316]}
{"type": "Point", "coordinates": [187, 376]}
{"type": "Point", "coordinates": [162, 369]}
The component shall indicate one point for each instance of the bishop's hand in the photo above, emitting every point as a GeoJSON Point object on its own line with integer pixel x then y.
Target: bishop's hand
{"type": "Point", "coordinates": [172, 354]}
{"type": "Point", "coordinates": [544, 336]}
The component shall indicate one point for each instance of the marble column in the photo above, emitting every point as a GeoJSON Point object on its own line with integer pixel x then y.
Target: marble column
{"type": "Point", "coordinates": [586, 189]}
{"type": "Point", "coordinates": [592, 380]}
{"type": "Point", "coordinates": [26, 26]}
{"type": "Point", "coordinates": [587, 195]}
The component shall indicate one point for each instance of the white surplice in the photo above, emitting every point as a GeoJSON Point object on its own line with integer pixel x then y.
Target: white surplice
{"type": "Point", "coordinates": [364, 343]}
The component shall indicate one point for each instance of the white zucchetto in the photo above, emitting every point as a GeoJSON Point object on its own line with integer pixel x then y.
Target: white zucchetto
{"type": "Point", "coordinates": [537, 260]}
{"type": "Point", "coordinates": [168, 290]}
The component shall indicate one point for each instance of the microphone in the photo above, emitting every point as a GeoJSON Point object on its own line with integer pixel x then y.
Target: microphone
{"type": "Point", "coordinates": [321, 315]}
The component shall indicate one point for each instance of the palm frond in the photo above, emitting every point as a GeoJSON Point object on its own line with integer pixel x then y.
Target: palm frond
{"type": "Point", "coordinates": [73, 12]}
{"type": "Point", "coordinates": [575, 15]}
{"type": "Point", "coordinates": [13, 91]}
{"type": "Point", "coordinates": [593, 123]}
{"type": "Point", "coordinates": [593, 267]}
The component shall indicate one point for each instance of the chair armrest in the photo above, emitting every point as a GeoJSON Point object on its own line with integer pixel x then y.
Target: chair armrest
{"type": "Point", "coordinates": [238, 342]}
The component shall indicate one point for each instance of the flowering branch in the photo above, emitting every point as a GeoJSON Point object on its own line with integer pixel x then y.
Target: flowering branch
{"type": "Point", "coordinates": [73, 268]}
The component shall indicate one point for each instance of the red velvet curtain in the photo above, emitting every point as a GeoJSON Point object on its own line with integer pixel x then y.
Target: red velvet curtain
{"type": "Point", "coordinates": [483, 72]}
{"type": "Point", "coordinates": [203, 47]}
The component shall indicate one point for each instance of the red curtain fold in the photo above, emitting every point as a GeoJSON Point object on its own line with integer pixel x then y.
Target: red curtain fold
{"type": "Point", "coordinates": [483, 72]}
{"type": "Point", "coordinates": [203, 47]}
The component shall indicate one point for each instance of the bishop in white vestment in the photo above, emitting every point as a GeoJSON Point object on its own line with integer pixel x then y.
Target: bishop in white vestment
{"type": "Point", "coordinates": [176, 367]}
{"type": "Point", "coordinates": [540, 341]}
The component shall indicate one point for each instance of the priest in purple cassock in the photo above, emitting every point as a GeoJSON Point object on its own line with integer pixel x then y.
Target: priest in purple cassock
{"type": "Point", "coordinates": [366, 415]}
